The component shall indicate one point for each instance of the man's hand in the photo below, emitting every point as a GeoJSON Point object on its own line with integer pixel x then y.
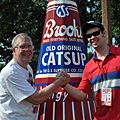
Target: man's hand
{"type": "Point", "coordinates": [40, 96]}
{"type": "Point", "coordinates": [64, 77]}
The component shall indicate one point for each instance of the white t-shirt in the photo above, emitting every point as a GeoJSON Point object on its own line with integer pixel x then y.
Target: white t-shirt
{"type": "Point", "coordinates": [14, 88]}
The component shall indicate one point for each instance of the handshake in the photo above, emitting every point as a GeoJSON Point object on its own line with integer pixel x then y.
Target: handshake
{"type": "Point", "coordinates": [63, 77]}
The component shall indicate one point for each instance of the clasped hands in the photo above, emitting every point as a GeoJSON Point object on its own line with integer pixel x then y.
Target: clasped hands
{"type": "Point", "coordinates": [64, 77]}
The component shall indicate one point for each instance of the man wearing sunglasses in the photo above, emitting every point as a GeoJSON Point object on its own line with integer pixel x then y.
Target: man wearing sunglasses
{"type": "Point", "coordinates": [102, 73]}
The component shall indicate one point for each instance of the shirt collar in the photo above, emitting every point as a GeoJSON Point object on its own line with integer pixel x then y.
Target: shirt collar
{"type": "Point", "coordinates": [111, 51]}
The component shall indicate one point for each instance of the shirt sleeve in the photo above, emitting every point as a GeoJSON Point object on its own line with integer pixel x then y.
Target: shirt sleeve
{"type": "Point", "coordinates": [19, 87]}
{"type": "Point", "coordinates": [85, 84]}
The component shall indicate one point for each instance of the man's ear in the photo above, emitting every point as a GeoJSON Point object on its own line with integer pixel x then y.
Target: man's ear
{"type": "Point", "coordinates": [104, 32]}
{"type": "Point", "coordinates": [13, 49]}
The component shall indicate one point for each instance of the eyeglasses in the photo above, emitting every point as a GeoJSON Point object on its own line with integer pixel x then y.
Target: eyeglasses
{"type": "Point", "coordinates": [96, 33]}
{"type": "Point", "coordinates": [23, 47]}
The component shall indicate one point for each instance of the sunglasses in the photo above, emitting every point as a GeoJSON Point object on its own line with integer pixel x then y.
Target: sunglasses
{"type": "Point", "coordinates": [96, 33]}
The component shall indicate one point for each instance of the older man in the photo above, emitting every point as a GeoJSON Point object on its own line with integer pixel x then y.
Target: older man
{"type": "Point", "coordinates": [18, 98]}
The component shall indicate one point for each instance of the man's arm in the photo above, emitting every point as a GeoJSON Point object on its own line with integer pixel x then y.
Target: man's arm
{"type": "Point", "coordinates": [40, 96]}
{"type": "Point", "coordinates": [74, 92]}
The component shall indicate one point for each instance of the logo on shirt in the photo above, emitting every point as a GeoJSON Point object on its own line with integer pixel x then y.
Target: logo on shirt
{"type": "Point", "coordinates": [35, 109]}
{"type": "Point", "coordinates": [30, 80]}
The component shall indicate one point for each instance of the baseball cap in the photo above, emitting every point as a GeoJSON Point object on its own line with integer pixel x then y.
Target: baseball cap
{"type": "Point", "coordinates": [92, 24]}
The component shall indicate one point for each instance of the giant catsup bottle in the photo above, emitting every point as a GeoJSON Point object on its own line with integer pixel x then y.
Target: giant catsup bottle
{"type": "Point", "coordinates": [62, 48]}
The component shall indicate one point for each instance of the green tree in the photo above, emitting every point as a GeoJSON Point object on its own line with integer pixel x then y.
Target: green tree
{"type": "Point", "coordinates": [20, 16]}
{"type": "Point", "coordinates": [115, 18]}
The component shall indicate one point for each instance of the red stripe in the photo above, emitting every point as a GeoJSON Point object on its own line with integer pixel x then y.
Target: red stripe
{"type": "Point", "coordinates": [44, 80]}
{"type": "Point", "coordinates": [52, 79]}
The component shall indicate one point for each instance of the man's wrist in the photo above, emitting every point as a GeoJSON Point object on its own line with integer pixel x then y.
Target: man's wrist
{"type": "Point", "coordinates": [59, 82]}
{"type": "Point", "coordinates": [63, 86]}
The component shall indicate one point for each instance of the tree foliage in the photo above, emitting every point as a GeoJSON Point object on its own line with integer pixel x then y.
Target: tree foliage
{"type": "Point", "coordinates": [21, 16]}
{"type": "Point", "coordinates": [28, 16]}
{"type": "Point", "coordinates": [115, 18]}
